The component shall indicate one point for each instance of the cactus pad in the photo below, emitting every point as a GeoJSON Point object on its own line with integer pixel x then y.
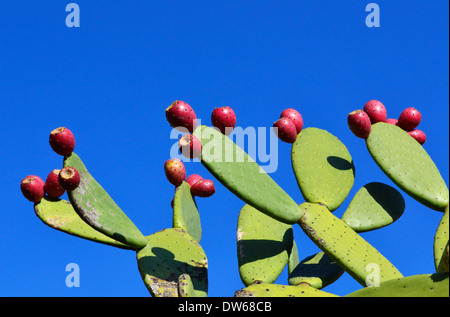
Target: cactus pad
{"type": "Point", "coordinates": [94, 205]}
{"type": "Point", "coordinates": [423, 285]}
{"type": "Point", "coordinates": [374, 206]}
{"type": "Point", "coordinates": [263, 246]}
{"type": "Point", "coordinates": [276, 290]}
{"type": "Point", "coordinates": [185, 212]}
{"type": "Point", "coordinates": [323, 167]}
{"type": "Point", "coordinates": [238, 172]}
{"type": "Point", "coordinates": [441, 244]}
{"type": "Point", "coordinates": [185, 286]}
{"type": "Point", "coordinates": [170, 253]}
{"type": "Point", "coordinates": [317, 270]}
{"type": "Point", "coordinates": [60, 215]}
{"type": "Point", "coordinates": [343, 245]}
{"type": "Point", "coordinates": [408, 165]}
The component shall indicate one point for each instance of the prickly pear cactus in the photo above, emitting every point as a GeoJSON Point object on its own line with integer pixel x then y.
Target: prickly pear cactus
{"type": "Point", "coordinates": [172, 262]}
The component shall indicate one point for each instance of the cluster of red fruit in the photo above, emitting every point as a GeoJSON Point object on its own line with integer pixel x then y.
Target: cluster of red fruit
{"type": "Point", "coordinates": [289, 125]}
{"type": "Point", "coordinates": [360, 121]}
{"type": "Point", "coordinates": [58, 181]}
{"type": "Point", "coordinates": [182, 117]}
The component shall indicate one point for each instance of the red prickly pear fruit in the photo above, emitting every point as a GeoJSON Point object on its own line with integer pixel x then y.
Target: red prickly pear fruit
{"type": "Point", "coordinates": [409, 119]}
{"type": "Point", "coordinates": [359, 123]}
{"type": "Point", "coordinates": [190, 146]}
{"type": "Point", "coordinates": [392, 121]}
{"type": "Point", "coordinates": [33, 188]}
{"type": "Point", "coordinates": [419, 135]}
{"type": "Point", "coordinates": [376, 111]}
{"type": "Point", "coordinates": [295, 116]}
{"type": "Point", "coordinates": [224, 119]}
{"type": "Point", "coordinates": [175, 171]}
{"type": "Point", "coordinates": [181, 116]}
{"type": "Point", "coordinates": [193, 178]}
{"type": "Point", "coordinates": [203, 188]}
{"type": "Point", "coordinates": [69, 178]}
{"type": "Point", "coordinates": [52, 186]}
{"type": "Point", "coordinates": [285, 129]}
{"type": "Point", "coordinates": [62, 141]}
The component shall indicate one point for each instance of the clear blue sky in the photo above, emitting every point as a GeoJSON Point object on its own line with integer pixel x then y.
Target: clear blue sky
{"type": "Point", "coordinates": [110, 80]}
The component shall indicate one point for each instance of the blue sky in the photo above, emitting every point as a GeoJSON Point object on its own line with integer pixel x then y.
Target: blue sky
{"type": "Point", "coordinates": [111, 79]}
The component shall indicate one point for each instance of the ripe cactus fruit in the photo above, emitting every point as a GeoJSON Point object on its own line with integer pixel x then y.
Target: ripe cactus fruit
{"type": "Point", "coordinates": [69, 178]}
{"type": "Point", "coordinates": [62, 141]}
{"type": "Point", "coordinates": [181, 116]}
{"type": "Point", "coordinates": [203, 188]}
{"type": "Point", "coordinates": [32, 188]}
{"type": "Point", "coordinates": [359, 123]}
{"type": "Point", "coordinates": [409, 119]}
{"type": "Point", "coordinates": [224, 119]}
{"type": "Point", "coordinates": [285, 129]}
{"type": "Point", "coordinates": [175, 171]}
{"type": "Point", "coordinates": [376, 111]}
{"type": "Point", "coordinates": [193, 178]}
{"type": "Point", "coordinates": [190, 146]}
{"type": "Point", "coordinates": [418, 135]}
{"type": "Point", "coordinates": [52, 186]}
{"type": "Point", "coordinates": [295, 116]}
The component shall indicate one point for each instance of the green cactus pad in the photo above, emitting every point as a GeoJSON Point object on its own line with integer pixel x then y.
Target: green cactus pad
{"type": "Point", "coordinates": [374, 206]}
{"type": "Point", "coordinates": [185, 212]}
{"type": "Point", "coordinates": [276, 290]}
{"type": "Point", "coordinates": [185, 286]}
{"type": "Point", "coordinates": [408, 165]}
{"type": "Point", "coordinates": [60, 215]}
{"type": "Point", "coordinates": [317, 270]}
{"type": "Point", "coordinates": [94, 205]}
{"type": "Point", "coordinates": [323, 167]}
{"type": "Point", "coordinates": [293, 258]}
{"type": "Point", "coordinates": [263, 246]}
{"type": "Point", "coordinates": [238, 172]}
{"type": "Point", "coordinates": [343, 245]}
{"type": "Point", "coordinates": [424, 285]}
{"type": "Point", "coordinates": [170, 253]}
{"type": "Point", "coordinates": [441, 244]}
